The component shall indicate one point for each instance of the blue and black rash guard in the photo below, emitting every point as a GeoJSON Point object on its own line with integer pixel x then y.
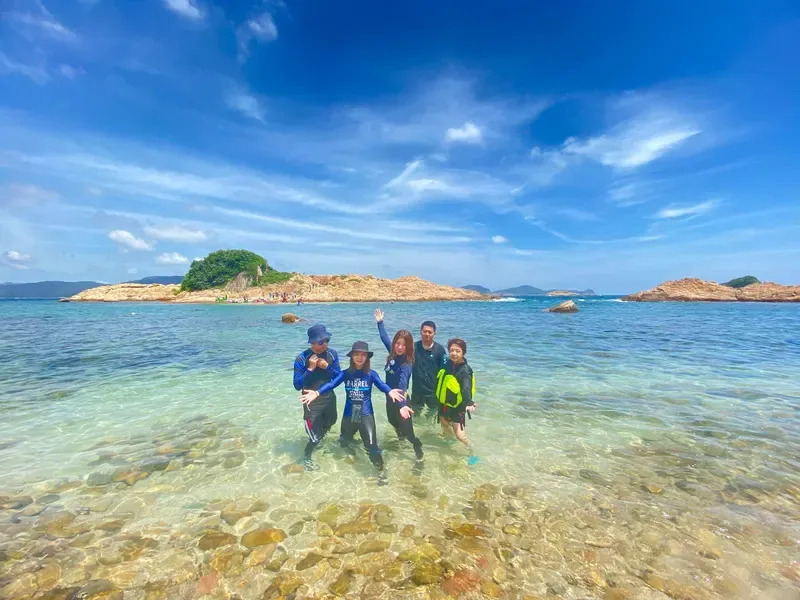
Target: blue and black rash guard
{"type": "Point", "coordinates": [398, 369]}
{"type": "Point", "coordinates": [313, 380]}
{"type": "Point", "coordinates": [358, 388]}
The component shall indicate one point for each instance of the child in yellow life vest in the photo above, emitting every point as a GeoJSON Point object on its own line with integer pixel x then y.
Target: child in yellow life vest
{"type": "Point", "coordinates": [454, 390]}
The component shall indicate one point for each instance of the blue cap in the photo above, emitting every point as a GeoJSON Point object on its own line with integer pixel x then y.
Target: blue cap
{"type": "Point", "coordinates": [317, 333]}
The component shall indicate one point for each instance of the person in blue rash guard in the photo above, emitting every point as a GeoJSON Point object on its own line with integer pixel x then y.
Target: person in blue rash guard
{"type": "Point", "coordinates": [313, 368]}
{"type": "Point", "coordinates": [399, 365]}
{"type": "Point", "coordinates": [359, 414]}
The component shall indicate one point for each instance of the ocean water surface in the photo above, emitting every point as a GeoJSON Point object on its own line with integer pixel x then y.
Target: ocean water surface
{"type": "Point", "coordinates": [628, 451]}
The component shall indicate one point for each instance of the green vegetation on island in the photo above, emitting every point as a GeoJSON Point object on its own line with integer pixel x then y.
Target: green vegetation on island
{"type": "Point", "coordinates": [223, 266]}
{"type": "Point", "coordinates": [741, 282]}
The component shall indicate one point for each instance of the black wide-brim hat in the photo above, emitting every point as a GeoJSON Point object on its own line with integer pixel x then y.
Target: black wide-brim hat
{"type": "Point", "coordinates": [360, 347]}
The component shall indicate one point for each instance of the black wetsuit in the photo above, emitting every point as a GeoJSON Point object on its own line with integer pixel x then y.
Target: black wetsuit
{"type": "Point", "coordinates": [398, 374]}
{"type": "Point", "coordinates": [320, 415]}
{"type": "Point", "coordinates": [427, 363]}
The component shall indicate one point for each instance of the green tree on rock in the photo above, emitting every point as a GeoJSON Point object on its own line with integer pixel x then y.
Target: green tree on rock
{"type": "Point", "coordinates": [222, 266]}
{"type": "Point", "coordinates": [741, 282]}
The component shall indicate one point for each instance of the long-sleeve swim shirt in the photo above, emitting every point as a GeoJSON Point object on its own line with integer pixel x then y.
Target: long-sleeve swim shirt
{"type": "Point", "coordinates": [312, 380]}
{"type": "Point", "coordinates": [358, 388]}
{"type": "Point", "coordinates": [398, 369]}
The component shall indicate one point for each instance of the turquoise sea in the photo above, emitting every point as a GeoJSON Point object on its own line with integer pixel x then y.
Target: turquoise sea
{"type": "Point", "coordinates": [630, 451]}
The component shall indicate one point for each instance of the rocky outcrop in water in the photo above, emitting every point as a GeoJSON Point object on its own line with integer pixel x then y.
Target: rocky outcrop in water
{"type": "Point", "coordinates": [697, 290]}
{"type": "Point", "coordinates": [565, 307]}
{"type": "Point", "coordinates": [289, 318]}
{"type": "Point", "coordinates": [309, 288]}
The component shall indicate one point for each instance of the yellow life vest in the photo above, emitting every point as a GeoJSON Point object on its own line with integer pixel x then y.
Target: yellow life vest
{"type": "Point", "coordinates": [448, 390]}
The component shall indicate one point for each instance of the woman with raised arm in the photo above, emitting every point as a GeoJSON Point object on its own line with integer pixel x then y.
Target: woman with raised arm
{"type": "Point", "coordinates": [399, 365]}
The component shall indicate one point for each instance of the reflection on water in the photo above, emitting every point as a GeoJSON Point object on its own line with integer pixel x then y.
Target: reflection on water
{"type": "Point", "coordinates": [627, 452]}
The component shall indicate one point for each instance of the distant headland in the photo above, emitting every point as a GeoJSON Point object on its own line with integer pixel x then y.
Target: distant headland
{"type": "Point", "coordinates": [528, 290]}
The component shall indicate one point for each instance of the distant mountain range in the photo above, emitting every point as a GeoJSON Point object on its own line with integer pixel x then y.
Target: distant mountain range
{"type": "Point", "coordinates": [528, 290]}
{"type": "Point", "coordinates": [63, 289]}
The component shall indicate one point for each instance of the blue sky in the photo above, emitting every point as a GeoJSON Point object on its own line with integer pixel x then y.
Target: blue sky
{"type": "Point", "coordinates": [605, 145]}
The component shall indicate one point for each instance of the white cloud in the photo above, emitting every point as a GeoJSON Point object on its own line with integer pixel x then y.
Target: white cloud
{"type": "Point", "coordinates": [499, 239]}
{"type": "Point", "coordinates": [626, 194]}
{"type": "Point", "coordinates": [17, 259]}
{"type": "Point", "coordinates": [246, 104]}
{"type": "Point", "coordinates": [25, 194]}
{"type": "Point", "coordinates": [37, 74]}
{"type": "Point", "coordinates": [176, 233]}
{"type": "Point", "coordinates": [39, 19]}
{"type": "Point", "coordinates": [261, 28]}
{"type": "Point", "coordinates": [185, 8]}
{"type": "Point", "coordinates": [69, 71]}
{"type": "Point", "coordinates": [127, 239]}
{"type": "Point", "coordinates": [677, 212]}
{"type": "Point", "coordinates": [635, 142]}
{"type": "Point", "coordinates": [171, 258]}
{"type": "Point", "coordinates": [578, 214]}
{"type": "Point", "coordinates": [523, 252]}
{"type": "Point", "coordinates": [197, 258]}
{"type": "Point", "coordinates": [133, 271]}
{"type": "Point", "coordinates": [469, 133]}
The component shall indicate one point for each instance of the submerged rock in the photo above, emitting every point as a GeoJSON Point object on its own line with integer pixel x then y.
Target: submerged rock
{"type": "Point", "coordinates": [289, 318]}
{"type": "Point", "coordinates": [215, 539]}
{"type": "Point", "coordinates": [263, 536]}
{"type": "Point", "coordinates": [342, 583]}
{"type": "Point", "coordinates": [371, 546]}
{"type": "Point", "coordinates": [309, 560]}
{"type": "Point", "coordinates": [283, 585]}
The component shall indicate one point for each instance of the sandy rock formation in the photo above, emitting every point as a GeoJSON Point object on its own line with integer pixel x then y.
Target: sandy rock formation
{"type": "Point", "coordinates": [289, 318]}
{"type": "Point", "coordinates": [692, 289]}
{"type": "Point", "coordinates": [565, 307]}
{"type": "Point", "coordinates": [561, 293]}
{"type": "Point", "coordinates": [128, 292]}
{"type": "Point", "coordinates": [309, 288]}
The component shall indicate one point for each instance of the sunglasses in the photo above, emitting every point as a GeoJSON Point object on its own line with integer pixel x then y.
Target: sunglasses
{"type": "Point", "coordinates": [321, 342]}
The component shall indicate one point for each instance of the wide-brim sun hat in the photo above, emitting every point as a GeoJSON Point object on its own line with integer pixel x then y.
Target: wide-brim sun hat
{"type": "Point", "coordinates": [360, 346]}
{"type": "Point", "coordinates": [317, 333]}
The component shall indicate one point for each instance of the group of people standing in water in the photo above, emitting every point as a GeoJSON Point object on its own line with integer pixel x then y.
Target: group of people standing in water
{"type": "Point", "coordinates": [440, 379]}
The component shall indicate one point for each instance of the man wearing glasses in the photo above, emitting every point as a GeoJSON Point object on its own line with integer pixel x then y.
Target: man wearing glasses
{"type": "Point", "coordinates": [313, 368]}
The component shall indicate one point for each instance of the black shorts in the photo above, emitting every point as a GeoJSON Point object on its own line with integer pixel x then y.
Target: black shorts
{"type": "Point", "coordinates": [319, 417]}
{"type": "Point", "coordinates": [453, 415]}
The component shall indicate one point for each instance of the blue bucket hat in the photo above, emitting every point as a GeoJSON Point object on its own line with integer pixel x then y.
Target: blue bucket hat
{"type": "Point", "coordinates": [317, 333]}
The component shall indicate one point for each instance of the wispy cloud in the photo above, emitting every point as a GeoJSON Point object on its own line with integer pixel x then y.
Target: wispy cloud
{"type": "Point", "coordinates": [128, 240]}
{"type": "Point", "coordinates": [171, 258]}
{"type": "Point", "coordinates": [36, 19]}
{"type": "Point", "coordinates": [469, 133]}
{"type": "Point", "coordinates": [499, 239]}
{"type": "Point", "coordinates": [634, 143]}
{"type": "Point", "coordinates": [17, 260]}
{"type": "Point", "coordinates": [577, 214]}
{"type": "Point", "coordinates": [176, 233]}
{"type": "Point", "coordinates": [246, 104]}
{"type": "Point", "coordinates": [37, 74]}
{"type": "Point", "coordinates": [187, 9]}
{"type": "Point", "coordinates": [678, 212]}
{"type": "Point", "coordinates": [261, 28]}
{"type": "Point", "coordinates": [69, 71]}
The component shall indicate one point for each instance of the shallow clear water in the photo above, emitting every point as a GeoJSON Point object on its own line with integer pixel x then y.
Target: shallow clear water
{"type": "Point", "coordinates": [656, 446]}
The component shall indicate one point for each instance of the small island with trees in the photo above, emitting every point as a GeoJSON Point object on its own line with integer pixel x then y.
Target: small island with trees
{"type": "Point", "coordinates": [241, 276]}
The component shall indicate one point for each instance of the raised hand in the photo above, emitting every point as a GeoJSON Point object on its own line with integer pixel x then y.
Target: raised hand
{"type": "Point", "coordinates": [313, 361]}
{"type": "Point", "coordinates": [397, 395]}
{"type": "Point", "coordinates": [406, 412]}
{"type": "Point", "coordinates": [322, 363]}
{"type": "Point", "coordinates": [378, 315]}
{"type": "Point", "coordinates": [308, 396]}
